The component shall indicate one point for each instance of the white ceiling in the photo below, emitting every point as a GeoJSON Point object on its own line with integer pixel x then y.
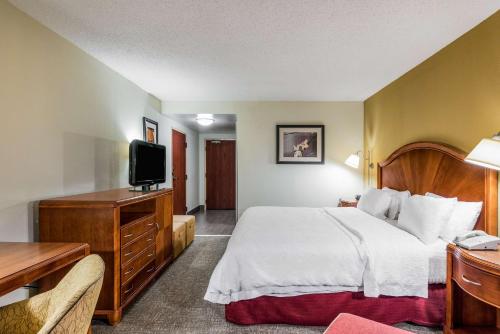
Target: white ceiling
{"type": "Point", "coordinates": [260, 49]}
{"type": "Point", "coordinates": [224, 123]}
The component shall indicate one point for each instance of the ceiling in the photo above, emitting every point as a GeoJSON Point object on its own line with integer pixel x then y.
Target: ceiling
{"type": "Point", "coordinates": [281, 50]}
{"type": "Point", "coordinates": [224, 123]}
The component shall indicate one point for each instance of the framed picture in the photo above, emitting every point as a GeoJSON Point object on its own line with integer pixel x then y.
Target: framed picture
{"type": "Point", "coordinates": [150, 130]}
{"type": "Point", "coordinates": [300, 144]}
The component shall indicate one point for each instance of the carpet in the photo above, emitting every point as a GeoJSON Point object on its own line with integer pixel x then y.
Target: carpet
{"type": "Point", "coordinates": [174, 302]}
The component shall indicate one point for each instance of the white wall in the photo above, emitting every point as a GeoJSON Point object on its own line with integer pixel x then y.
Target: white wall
{"type": "Point", "coordinates": [260, 180]}
{"type": "Point", "coordinates": [66, 123]}
{"type": "Point", "coordinates": [202, 159]}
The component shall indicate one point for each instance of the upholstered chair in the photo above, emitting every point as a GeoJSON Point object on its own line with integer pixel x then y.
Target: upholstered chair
{"type": "Point", "coordinates": [67, 308]}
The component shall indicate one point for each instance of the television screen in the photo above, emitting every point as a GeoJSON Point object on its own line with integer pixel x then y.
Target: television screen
{"type": "Point", "coordinates": [146, 162]}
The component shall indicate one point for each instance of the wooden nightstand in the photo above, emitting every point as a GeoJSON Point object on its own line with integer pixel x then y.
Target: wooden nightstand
{"type": "Point", "coordinates": [472, 291]}
{"type": "Point", "coordinates": [348, 203]}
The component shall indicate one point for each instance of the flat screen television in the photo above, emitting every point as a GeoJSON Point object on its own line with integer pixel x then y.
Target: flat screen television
{"type": "Point", "coordinates": [146, 163]}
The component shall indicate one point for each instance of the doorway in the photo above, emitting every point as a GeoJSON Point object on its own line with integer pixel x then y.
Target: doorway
{"type": "Point", "coordinates": [179, 175]}
{"type": "Point", "coordinates": [220, 174]}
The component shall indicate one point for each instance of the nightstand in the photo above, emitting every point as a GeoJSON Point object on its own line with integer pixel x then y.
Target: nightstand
{"type": "Point", "coordinates": [472, 291]}
{"type": "Point", "coordinates": [348, 203]}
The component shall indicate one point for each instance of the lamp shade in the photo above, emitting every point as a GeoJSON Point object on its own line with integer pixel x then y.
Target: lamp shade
{"type": "Point", "coordinates": [486, 154]}
{"type": "Point", "coordinates": [353, 161]}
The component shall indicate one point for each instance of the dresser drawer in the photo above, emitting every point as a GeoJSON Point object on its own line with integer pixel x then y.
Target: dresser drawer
{"type": "Point", "coordinates": [129, 251]}
{"type": "Point", "coordinates": [477, 282]}
{"type": "Point", "coordinates": [137, 264]}
{"type": "Point", "coordinates": [131, 231]}
{"type": "Point", "coordinates": [127, 290]}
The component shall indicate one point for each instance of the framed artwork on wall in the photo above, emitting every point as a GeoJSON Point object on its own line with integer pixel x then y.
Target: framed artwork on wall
{"type": "Point", "coordinates": [300, 144]}
{"type": "Point", "coordinates": [150, 130]}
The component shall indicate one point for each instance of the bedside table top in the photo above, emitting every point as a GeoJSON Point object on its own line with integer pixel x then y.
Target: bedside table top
{"type": "Point", "coordinates": [348, 200]}
{"type": "Point", "coordinates": [487, 260]}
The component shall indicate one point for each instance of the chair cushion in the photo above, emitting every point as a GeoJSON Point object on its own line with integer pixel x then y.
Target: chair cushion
{"type": "Point", "coordinates": [346, 323]}
{"type": "Point", "coordinates": [184, 218]}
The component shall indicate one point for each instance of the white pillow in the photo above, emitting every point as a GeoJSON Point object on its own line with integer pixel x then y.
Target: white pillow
{"type": "Point", "coordinates": [463, 219]}
{"type": "Point", "coordinates": [397, 199]}
{"type": "Point", "coordinates": [375, 202]}
{"type": "Point", "coordinates": [425, 216]}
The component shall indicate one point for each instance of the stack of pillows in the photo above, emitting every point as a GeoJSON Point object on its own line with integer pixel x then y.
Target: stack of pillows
{"type": "Point", "coordinates": [427, 217]}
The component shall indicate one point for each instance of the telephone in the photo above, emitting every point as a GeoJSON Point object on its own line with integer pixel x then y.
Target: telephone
{"type": "Point", "coordinates": [477, 240]}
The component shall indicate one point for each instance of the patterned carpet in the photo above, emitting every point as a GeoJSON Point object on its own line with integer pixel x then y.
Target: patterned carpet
{"type": "Point", "coordinates": [174, 303]}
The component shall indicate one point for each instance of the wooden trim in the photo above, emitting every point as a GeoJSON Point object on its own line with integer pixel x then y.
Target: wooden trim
{"type": "Point", "coordinates": [440, 168]}
{"type": "Point", "coordinates": [90, 201]}
{"type": "Point", "coordinates": [491, 202]}
{"type": "Point", "coordinates": [444, 148]}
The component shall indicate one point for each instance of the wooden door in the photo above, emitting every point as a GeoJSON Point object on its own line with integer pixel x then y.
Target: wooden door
{"type": "Point", "coordinates": [179, 172]}
{"type": "Point", "coordinates": [220, 174]}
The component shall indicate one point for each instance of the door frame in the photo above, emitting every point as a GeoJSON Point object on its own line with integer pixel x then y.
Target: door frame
{"type": "Point", "coordinates": [235, 166]}
{"type": "Point", "coordinates": [172, 165]}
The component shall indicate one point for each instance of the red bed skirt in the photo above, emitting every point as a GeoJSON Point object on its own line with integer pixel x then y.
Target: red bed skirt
{"type": "Point", "coordinates": [321, 309]}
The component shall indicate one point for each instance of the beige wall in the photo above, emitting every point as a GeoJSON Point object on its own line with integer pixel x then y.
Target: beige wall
{"type": "Point", "coordinates": [452, 97]}
{"type": "Point", "coordinates": [66, 120]}
{"type": "Point", "coordinates": [260, 180]}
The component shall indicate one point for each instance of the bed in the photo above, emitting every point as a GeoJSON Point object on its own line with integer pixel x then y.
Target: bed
{"type": "Point", "coordinates": [302, 265]}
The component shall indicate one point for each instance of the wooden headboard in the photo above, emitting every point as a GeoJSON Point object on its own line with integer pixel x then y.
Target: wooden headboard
{"type": "Point", "coordinates": [433, 167]}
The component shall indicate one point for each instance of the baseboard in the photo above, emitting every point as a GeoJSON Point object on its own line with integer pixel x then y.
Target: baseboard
{"type": "Point", "coordinates": [196, 209]}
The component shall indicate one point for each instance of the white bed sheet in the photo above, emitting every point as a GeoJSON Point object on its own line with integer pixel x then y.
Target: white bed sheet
{"type": "Point", "coordinates": [437, 258]}
{"type": "Point", "coordinates": [293, 251]}
{"type": "Point", "coordinates": [437, 261]}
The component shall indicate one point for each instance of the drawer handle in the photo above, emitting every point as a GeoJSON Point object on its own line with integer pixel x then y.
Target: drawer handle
{"type": "Point", "coordinates": [150, 269]}
{"type": "Point", "coordinates": [150, 239]}
{"type": "Point", "coordinates": [128, 235]}
{"type": "Point", "coordinates": [128, 254]}
{"type": "Point", "coordinates": [127, 291]}
{"type": "Point", "coordinates": [466, 280]}
{"type": "Point", "coordinates": [157, 227]}
{"type": "Point", "coordinates": [149, 255]}
{"type": "Point", "coordinates": [150, 224]}
{"type": "Point", "coordinates": [130, 271]}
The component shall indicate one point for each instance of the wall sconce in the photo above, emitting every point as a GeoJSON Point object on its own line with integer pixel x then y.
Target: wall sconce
{"type": "Point", "coordinates": [354, 159]}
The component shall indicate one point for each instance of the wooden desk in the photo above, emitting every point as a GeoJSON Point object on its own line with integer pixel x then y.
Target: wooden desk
{"type": "Point", "coordinates": [24, 262]}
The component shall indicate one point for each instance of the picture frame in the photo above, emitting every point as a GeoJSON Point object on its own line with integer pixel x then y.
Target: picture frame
{"type": "Point", "coordinates": [150, 130]}
{"type": "Point", "coordinates": [300, 144]}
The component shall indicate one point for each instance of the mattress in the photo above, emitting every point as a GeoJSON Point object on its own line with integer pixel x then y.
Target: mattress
{"type": "Point", "coordinates": [294, 251]}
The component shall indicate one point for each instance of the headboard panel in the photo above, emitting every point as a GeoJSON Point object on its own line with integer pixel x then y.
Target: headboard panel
{"type": "Point", "coordinates": [432, 167]}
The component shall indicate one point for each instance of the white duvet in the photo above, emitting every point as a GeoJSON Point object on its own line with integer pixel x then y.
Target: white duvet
{"type": "Point", "coordinates": [286, 251]}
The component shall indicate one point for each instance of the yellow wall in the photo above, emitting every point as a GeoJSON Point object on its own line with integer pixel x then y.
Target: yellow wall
{"type": "Point", "coordinates": [452, 97]}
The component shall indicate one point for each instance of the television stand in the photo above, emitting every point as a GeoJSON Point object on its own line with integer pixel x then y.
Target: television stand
{"type": "Point", "coordinates": [146, 188]}
{"type": "Point", "coordinates": [132, 232]}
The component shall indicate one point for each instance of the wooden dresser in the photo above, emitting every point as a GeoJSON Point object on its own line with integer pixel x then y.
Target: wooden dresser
{"type": "Point", "coordinates": [131, 231]}
{"type": "Point", "coordinates": [473, 291]}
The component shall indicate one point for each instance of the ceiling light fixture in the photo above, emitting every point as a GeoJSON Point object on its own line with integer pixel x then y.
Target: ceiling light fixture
{"type": "Point", "coordinates": [205, 119]}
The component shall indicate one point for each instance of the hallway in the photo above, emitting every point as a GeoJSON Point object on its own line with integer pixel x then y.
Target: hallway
{"type": "Point", "coordinates": [215, 222]}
